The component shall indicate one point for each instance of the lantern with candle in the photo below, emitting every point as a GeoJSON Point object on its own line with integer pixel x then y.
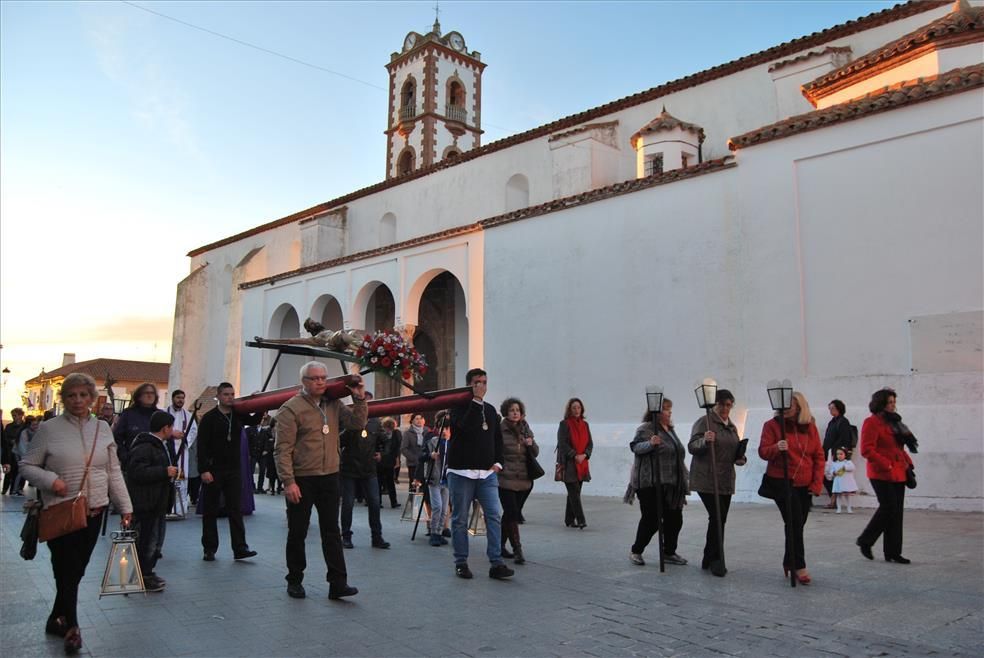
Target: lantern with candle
{"type": "Point", "coordinates": [123, 575]}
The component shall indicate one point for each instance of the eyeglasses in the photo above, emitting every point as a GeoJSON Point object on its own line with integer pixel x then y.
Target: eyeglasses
{"type": "Point", "coordinates": [319, 378]}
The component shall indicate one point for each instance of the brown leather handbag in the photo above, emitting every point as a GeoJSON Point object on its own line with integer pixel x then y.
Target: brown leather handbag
{"type": "Point", "coordinates": [71, 515]}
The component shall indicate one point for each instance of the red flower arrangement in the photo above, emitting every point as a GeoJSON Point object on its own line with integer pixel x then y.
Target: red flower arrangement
{"type": "Point", "coordinates": [387, 351]}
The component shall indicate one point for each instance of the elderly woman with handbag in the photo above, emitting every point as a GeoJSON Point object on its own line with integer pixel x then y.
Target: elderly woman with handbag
{"type": "Point", "coordinates": [72, 461]}
{"type": "Point", "coordinates": [515, 479]}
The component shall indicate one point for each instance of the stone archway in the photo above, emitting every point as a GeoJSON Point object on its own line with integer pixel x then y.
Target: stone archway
{"type": "Point", "coordinates": [285, 323]}
{"type": "Point", "coordinates": [381, 314]}
{"type": "Point", "coordinates": [443, 330]}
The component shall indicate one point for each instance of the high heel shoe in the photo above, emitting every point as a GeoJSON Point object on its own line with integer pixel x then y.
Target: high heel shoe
{"type": "Point", "coordinates": [803, 577]}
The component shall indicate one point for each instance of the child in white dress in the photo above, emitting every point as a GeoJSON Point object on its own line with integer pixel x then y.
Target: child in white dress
{"type": "Point", "coordinates": [841, 470]}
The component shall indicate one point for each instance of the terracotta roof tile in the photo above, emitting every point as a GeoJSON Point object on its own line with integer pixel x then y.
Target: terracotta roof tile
{"type": "Point", "coordinates": [120, 369]}
{"type": "Point", "coordinates": [599, 194]}
{"type": "Point", "coordinates": [666, 121]}
{"type": "Point", "coordinates": [888, 15]}
{"type": "Point", "coordinates": [888, 98]}
{"type": "Point", "coordinates": [805, 56]}
{"type": "Point", "coordinates": [963, 24]}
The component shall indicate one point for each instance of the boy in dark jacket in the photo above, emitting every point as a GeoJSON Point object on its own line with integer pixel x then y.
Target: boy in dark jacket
{"type": "Point", "coordinates": [149, 476]}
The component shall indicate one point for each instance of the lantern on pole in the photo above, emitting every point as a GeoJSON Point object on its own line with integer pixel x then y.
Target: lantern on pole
{"type": "Point", "coordinates": [706, 393]}
{"type": "Point", "coordinates": [654, 403]}
{"type": "Point", "coordinates": [123, 575]}
{"type": "Point", "coordinates": [781, 399]}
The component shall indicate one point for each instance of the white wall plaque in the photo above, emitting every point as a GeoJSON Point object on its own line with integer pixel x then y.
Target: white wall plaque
{"type": "Point", "coordinates": [950, 342]}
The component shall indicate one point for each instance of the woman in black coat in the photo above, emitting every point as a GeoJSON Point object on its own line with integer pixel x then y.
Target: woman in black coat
{"type": "Point", "coordinates": [839, 434]}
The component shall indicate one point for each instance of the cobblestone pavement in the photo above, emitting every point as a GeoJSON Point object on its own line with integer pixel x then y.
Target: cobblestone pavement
{"type": "Point", "coordinates": [577, 595]}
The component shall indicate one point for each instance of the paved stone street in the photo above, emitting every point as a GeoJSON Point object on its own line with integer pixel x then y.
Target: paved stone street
{"type": "Point", "coordinates": [577, 595]}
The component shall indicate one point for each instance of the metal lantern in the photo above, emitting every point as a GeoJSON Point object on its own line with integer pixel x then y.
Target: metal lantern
{"type": "Point", "coordinates": [780, 394]}
{"type": "Point", "coordinates": [706, 393]}
{"type": "Point", "coordinates": [476, 522]}
{"type": "Point", "coordinates": [654, 399]}
{"type": "Point", "coordinates": [414, 500]}
{"type": "Point", "coordinates": [123, 575]}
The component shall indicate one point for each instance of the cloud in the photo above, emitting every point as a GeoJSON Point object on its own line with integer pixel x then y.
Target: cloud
{"type": "Point", "coordinates": [129, 54]}
{"type": "Point", "coordinates": [125, 329]}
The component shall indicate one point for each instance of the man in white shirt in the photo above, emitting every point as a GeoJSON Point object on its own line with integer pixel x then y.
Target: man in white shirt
{"type": "Point", "coordinates": [184, 434]}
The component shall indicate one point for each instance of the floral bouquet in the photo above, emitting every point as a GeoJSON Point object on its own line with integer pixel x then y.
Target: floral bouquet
{"type": "Point", "coordinates": [387, 351]}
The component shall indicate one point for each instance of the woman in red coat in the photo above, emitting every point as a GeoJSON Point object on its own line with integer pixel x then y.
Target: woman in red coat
{"type": "Point", "coordinates": [804, 453]}
{"type": "Point", "coordinates": [882, 437]}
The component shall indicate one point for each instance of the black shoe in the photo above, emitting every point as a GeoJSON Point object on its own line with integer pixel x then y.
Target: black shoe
{"type": "Point", "coordinates": [899, 559]}
{"type": "Point", "coordinates": [342, 592]}
{"type": "Point", "coordinates": [347, 542]}
{"type": "Point", "coordinates": [380, 543]}
{"type": "Point", "coordinates": [717, 568]}
{"type": "Point", "coordinates": [56, 626]}
{"type": "Point", "coordinates": [506, 553]}
{"type": "Point", "coordinates": [394, 505]}
{"type": "Point", "coordinates": [582, 525]}
{"type": "Point", "coordinates": [209, 557]}
{"type": "Point", "coordinates": [446, 533]}
{"type": "Point", "coordinates": [500, 572]}
{"type": "Point", "coordinates": [865, 550]}
{"type": "Point", "coordinates": [461, 570]}
{"type": "Point", "coordinates": [152, 584]}
{"type": "Point", "coordinates": [296, 591]}
{"type": "Point", "coordinates": [245, 555]}
{"type": "Point", "coordinates": [518, 553]}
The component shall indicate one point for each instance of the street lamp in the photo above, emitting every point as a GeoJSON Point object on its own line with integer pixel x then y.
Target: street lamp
{"type": "Point", "coordinates": [654, 402]}
{"type": "Point", "coordinates": [706, 393]}
{"type": "Point", "coordinates": [781, 399]}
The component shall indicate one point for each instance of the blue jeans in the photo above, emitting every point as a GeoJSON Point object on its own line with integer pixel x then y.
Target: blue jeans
{"type": "Point", "coordinates": [439, 507]}
{"type": "Point", "coordinates": [348, 501]}
{"type": "Point", "coordinates": [486, 492]}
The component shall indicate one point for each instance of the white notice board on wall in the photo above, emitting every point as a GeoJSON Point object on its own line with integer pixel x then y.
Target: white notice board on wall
{"type": "Point", "coordinates": [949, 342]}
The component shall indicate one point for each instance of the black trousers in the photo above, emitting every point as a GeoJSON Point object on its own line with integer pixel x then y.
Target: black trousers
{"type": "Point", "coordinates": [711, 552]}
{"type": "Point", "coordinates": [386, 485]}
{"type": "Point", "coordinates": [574, 513]}
{"type": "Point", "coordinates": [321, 492]}
{"type": "Point", "coordinates": [10, 477]}
{"type": "Point", "coordinates": [148, 529]}
{"type": "Point", "coordinates": [229, 486]}
{"type": "Point", "coordinates": [887, 519]}
{"type": "Point", "coordinates": [69, 557]}
{"type": "Point", "coordinates": [801, 509]}
{"type": "Point", "coordinates": [649, 522]}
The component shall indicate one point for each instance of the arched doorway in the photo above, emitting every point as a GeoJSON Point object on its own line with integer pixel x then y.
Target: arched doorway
{"type": "Point", "coordinates": [442, 332]}
{"type": "Point", "coordinates": [286, 324]}
{"type": "Point", "coordinates": [381, 314]}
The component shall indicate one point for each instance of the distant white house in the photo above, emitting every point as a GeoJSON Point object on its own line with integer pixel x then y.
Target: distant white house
{"type": "Point", "coordinates": [811, 211]}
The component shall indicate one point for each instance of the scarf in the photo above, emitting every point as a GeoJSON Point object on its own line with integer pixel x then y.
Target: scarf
{"type": "Point", "coordinates": [579, 442]}
{"type": "Point", "coordinates": [903, 435]}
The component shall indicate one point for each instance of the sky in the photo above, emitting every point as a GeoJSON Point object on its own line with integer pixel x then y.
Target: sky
{"type": "Point", "coordinates": [134, 132]}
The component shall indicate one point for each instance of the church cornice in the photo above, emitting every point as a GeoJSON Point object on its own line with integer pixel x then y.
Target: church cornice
{"type": "Point", "coordinates": [397, 59]}
{"type": "Point", "coordinates": [436, 115]}
{"type": "Point", "coordinates": [556, 205]}
{"type": "Point", "coordinates": [787, 49]}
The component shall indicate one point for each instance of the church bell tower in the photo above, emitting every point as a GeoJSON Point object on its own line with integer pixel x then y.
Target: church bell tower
{"type": "Point", "coordinates": [435, 101]}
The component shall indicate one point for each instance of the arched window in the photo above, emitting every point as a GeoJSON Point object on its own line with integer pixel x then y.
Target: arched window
{"type": "Point", "coordinates": [450, 153]}
{"type": "Point", "coordinates": [455, 109]}
{"type": "Point", "coordinates": [408, 99]}
{"type": "Point", "coordinates": [405, 164]}
{"type": "Point", "coordinates": [517, 192]}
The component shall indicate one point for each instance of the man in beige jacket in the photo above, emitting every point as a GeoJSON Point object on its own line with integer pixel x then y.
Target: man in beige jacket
{"type": "Point", "coordinates": [307, 456]}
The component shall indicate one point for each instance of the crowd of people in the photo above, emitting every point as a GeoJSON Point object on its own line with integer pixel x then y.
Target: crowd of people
{"type": "Point", "coordinates": [325, 455]}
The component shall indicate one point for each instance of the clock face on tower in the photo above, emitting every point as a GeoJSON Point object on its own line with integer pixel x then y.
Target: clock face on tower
{"type": "Point", "coordinates": [456, 41]}
{"type": "Point", "coordinates": [410, 41]}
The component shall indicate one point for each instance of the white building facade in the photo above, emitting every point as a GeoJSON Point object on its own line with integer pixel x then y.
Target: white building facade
{"type": "Point", "coordinates": [801, 223]}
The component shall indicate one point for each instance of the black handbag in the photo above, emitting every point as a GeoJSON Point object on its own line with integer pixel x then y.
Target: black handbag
{"type": "Point", "coordinates": [910, 478]}
{"type": "Point", "coordinates": [533, 469]}
{"type": "Point", "coordinates": [29, 531]}
{"type": "Point", "coordinates": [772, 488]}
